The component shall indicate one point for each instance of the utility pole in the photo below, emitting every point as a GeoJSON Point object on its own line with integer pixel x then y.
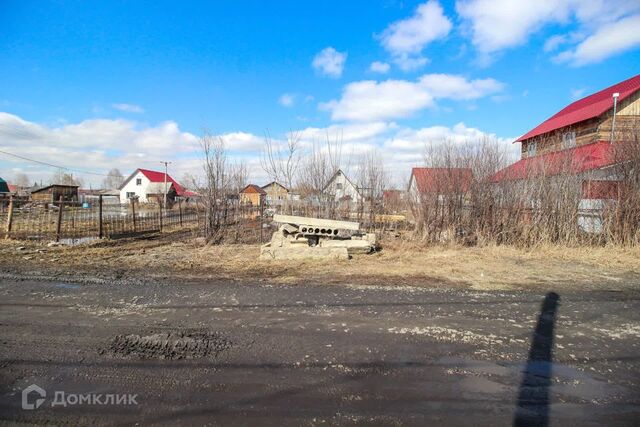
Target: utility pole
{"type": "Point", "coordinates": [166, 164]}
{"type": "Point", "coordinates": [613, 121]}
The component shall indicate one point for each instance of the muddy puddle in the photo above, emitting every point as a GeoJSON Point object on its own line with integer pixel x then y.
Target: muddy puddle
{"type": "Point", "coordinates": [170, 346]}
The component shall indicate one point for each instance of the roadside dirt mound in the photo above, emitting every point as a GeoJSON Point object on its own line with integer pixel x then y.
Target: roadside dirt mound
{"type": "Point", "coordinates": [170, 346]}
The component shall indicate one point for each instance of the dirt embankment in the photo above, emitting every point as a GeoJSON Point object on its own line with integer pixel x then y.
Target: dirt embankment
{"type": "Point", "coordinates": [172, 256]}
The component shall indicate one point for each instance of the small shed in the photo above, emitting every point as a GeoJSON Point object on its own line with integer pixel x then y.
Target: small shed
{"type": "Point", "coordinates": [53, 193]}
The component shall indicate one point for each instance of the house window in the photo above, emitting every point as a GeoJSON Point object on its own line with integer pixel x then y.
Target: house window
{"type": "Point", "coordinates": [568, 139]}
{"type": "Point", "coordinates": [532, 148]}
{"type": "Point", "coordinates": [130, 194]}
{"type": "Point", "coordinates": [338, 186]}
{"type": "Point", "coordinates": [138, 181]}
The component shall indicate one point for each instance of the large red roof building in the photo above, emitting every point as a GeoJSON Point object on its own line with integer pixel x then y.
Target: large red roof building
{"type": "Point", "coordinates": [578, 138]}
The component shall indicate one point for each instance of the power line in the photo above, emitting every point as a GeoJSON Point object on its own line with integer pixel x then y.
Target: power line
{"type": "Point", "coordinates": [52, 165]}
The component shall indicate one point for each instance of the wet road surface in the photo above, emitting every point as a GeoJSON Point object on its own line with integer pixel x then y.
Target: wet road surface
{"type": "Point", "coordinates": [252, 353]}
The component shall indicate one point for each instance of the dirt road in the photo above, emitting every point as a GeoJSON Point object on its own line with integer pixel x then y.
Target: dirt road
{"type": "Point", "coordinates": [225, 353]}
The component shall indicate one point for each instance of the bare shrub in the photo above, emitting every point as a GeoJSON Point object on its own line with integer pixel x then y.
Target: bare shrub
{"type": "Point", "coordinates": [457, 202]}
{"type": "Point", "coordinates": [372, 179]}
{"type": "Point", "coordinates": [551, 201]}
{"type": "Point", "coordinates": [221, 179]}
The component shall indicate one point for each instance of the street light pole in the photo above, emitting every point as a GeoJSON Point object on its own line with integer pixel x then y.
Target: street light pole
{"type": "Point", "coordinates": [613, 122]}
{"type": "Point", "coordinates": [166, 164]}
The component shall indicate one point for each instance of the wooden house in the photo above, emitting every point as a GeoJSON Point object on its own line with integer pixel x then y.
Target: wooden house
{"type": "Point", "coordinates": [579, 138]}
{"type": "Point", "coordinates": [275, 193]}
{"type": "Point", "coordinates": [252, 195]}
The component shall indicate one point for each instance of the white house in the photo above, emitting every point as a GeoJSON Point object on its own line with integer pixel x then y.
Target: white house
{"type": "Point", "coordinates": [340, 188]}
{"type": "Point", "coordinates": [148, 186]}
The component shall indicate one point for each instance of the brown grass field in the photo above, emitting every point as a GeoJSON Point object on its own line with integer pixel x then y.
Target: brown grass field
{"type": "Point", "coordinates": [178, 255]}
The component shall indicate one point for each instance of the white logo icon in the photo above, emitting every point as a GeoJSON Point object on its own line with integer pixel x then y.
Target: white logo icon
{"type": "Point", "coordinates": [25, 397]}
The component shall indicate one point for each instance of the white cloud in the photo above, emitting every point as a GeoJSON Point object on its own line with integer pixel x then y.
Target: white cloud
{"type": "Point", "coordinates": [242, 141]}
{"type": "Point", "coordinates": [458, 87]}
{"type": "Point", "coordinates": [405, 39]}
{"type": "Point", "coordinates": [329, 62]}
{"type": "Point", "coordinates": [414, 140]}
{"type": "Point", "coordinates": [369, 100]}
{"type": "Point", "coordinates": [495, 25]}
{"type": "Point", "coordinates": [401, 148]}
{"type": "Point", "coordinates": [93, 145]}
{"type": "Point", "coordinates": [553, 42]}
{"type": "Point", "coordinates": [99, 145]}
{"type": "Point", "coordinates": [287, 100]}
{"type": "Point", "coordinates": [577, 93]}
{"type": "Point", "coordinates": [128, 108]}
{"type": "Point", "coordinates": [347, 133]}
{"type": "Point", "coordinates": [609, 40]}
{"type": "Point", "coordinates": [379, 67]}
{"type": "Point", "coordinates": [501, 24]}
{"type": "Point", "coordinates": [408, 62]}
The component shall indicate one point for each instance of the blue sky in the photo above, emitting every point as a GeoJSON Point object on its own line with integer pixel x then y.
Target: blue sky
{"type": "Point", "coordinates": [91, 85]}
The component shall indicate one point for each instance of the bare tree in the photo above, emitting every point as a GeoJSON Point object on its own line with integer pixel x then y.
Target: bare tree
{"type": "Point", "coordinates": [320, 163]}
{"type": "Point", "coordinates": [188, 180]}
{"type": "Point", "coordinates": [372, 180]}
{"type": "Point", "coordinates": [63, 178]}
{"type": "Point", "coordinates": [113, 180]}
{"type": "Point", "coordinates": [280, 160]}
{"type": "Point", "coordinates": [215, 188]}
{"type": "Point", "coordinates": [239, 177]}
{"type": "Point", "coordinates": [21, 180]}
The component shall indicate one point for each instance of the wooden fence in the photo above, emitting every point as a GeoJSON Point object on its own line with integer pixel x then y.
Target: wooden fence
{"type": "Point", "coordinates": [23, 219]}
{"type": "Point", "coordinates": [41, 221]}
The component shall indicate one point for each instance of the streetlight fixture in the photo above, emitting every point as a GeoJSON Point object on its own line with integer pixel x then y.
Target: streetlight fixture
{"type": "Point", "coordinates": [613, 122]}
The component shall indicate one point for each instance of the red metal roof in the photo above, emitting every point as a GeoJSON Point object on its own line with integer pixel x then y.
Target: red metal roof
{"type": "Point", "coordinates": [155, 176]}
{"type": "Point", "coordinates": [574, 160]}
{"type": "Point", "coordinates": [586, 108]}
{"type": "Point", "coordinates": [442, 180]}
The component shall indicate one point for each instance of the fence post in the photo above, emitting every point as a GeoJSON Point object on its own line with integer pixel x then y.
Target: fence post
{"type": "Point", "coordinates": [261, 220]}
{"type": "Point", "coordinates": [59, 224]}
{"type": "Point", "coordinates": [133, 212]}
{"type": "Point", "coordinates": [161, 210]}
{"type": "Point", "coordinates": [9, 217]}
{"type": "Point", "coordinates": [180, 211]}
{"type": "Point", "coordinates": [100, 230]}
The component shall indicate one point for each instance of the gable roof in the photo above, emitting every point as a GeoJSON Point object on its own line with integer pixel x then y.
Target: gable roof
{"type": "Point", "coordinates": [442, 180]}
{"type": "Point", "coordinates": [586, 108]}
{"type": "Point", "coordinates": [574, 160]}
{"type": "Point", "coordinates": [275, 183]}
{"type": "Point", "coordinates": [335, 175]}
{"type": "Point", "coordinates": [252, 188]}
{"type": "Point", "coordinates": [158, 177]}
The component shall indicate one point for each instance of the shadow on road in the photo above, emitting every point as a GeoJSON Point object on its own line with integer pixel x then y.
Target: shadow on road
{"type": "Point", "coordinates": [533, 398]}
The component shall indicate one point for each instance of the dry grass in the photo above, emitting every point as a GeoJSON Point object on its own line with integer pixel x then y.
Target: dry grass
{"type": "Point", "coordinates": [492, 267]}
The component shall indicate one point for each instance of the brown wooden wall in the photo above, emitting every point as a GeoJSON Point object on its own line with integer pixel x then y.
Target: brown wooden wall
{"type": "Point", "coordinates": [54, 193]}
{"type": "Point", "coordinates": [587, 132]}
